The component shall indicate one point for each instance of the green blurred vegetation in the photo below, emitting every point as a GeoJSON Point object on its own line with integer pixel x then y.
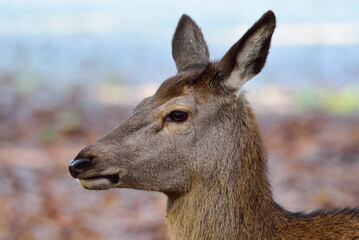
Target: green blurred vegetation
{"type": "Point", "coordinates": [336, 101]}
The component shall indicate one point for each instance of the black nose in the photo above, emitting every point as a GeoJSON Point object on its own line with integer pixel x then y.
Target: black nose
{"type": "Point", "coordinates": [78, 166]}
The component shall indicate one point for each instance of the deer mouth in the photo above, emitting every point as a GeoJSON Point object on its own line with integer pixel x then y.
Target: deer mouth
{"type": "Point", "coordinates": [114, 178]}
{"type": "Point", "coordinates": [101, 182]}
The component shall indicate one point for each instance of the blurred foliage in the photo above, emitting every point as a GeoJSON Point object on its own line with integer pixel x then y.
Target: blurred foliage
{"type": "Point", "coordinates": [69, 121]}
{"type": "Point", "coordinates": [337, 101]}
{"type": "Point", "coordinates": [345, 101]}
{"type": "Point", "coordinates": [114, 78]}
{"type": "Point", "coordinates": [49, 133]}
{"type": "Point", "coordinates": [26, 85]}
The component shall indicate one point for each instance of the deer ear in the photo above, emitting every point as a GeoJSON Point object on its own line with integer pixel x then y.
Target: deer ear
{"type": "Point", "coordinates": [247, 57]}
{"type": "Point", "coordinates": [188, 45]}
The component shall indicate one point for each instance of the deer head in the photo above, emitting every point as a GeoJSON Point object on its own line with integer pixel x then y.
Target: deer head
{"type": "Point", "coordinates": [190, 131]}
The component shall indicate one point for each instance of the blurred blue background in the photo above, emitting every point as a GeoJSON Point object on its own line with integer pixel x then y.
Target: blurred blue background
{"type": "Point", "coordinates": [52, 45]}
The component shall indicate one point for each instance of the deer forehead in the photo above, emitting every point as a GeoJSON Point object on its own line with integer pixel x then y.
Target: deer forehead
{"type": "Point", "coordinates": [172, 87]}
{"type": "Point", "coordinates": [179, 84]}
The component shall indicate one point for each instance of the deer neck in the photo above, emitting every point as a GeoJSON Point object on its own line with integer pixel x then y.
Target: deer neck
{"type": "Point", "coordinates": [232, 204]}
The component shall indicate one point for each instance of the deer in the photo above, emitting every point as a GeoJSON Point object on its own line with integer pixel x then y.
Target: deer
{"type": "Point", "coordinates": [197, 141]}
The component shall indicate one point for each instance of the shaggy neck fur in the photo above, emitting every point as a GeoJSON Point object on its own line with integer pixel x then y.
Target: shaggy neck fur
{"type": "Point", "coordinates": [236, 202]}
{"type": "Point", "coordinates": [233, 204]}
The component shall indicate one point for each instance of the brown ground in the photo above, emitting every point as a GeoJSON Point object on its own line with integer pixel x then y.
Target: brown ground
{"type": "Point", "coordinates": [313, 158]}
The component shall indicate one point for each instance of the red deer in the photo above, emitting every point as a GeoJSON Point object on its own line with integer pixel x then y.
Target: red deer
{"type": "Point", "coordinates": [197, 141]}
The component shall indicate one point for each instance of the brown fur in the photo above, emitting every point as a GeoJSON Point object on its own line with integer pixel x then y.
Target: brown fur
{"type": "Point", "coordinates": [212, 166]}
{"type": "Point", "coordinates": [188, 45]}
{"type": "Point", "coordinates": [173, 87]}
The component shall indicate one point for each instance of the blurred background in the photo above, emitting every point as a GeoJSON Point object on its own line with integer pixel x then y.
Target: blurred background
{"type": "Point", "coordinates": [72, 70]}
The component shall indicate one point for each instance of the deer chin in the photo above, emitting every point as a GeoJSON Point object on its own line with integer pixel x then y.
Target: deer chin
{"type": "Point", "coordinates": [102, 182]}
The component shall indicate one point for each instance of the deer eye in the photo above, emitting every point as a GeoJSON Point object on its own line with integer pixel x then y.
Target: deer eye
{"type": "Point", "coordinates": [177, 116]}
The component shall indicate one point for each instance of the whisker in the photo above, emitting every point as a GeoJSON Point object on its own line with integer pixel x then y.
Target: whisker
{"type": "Point", "coordinates": [139, 222]}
